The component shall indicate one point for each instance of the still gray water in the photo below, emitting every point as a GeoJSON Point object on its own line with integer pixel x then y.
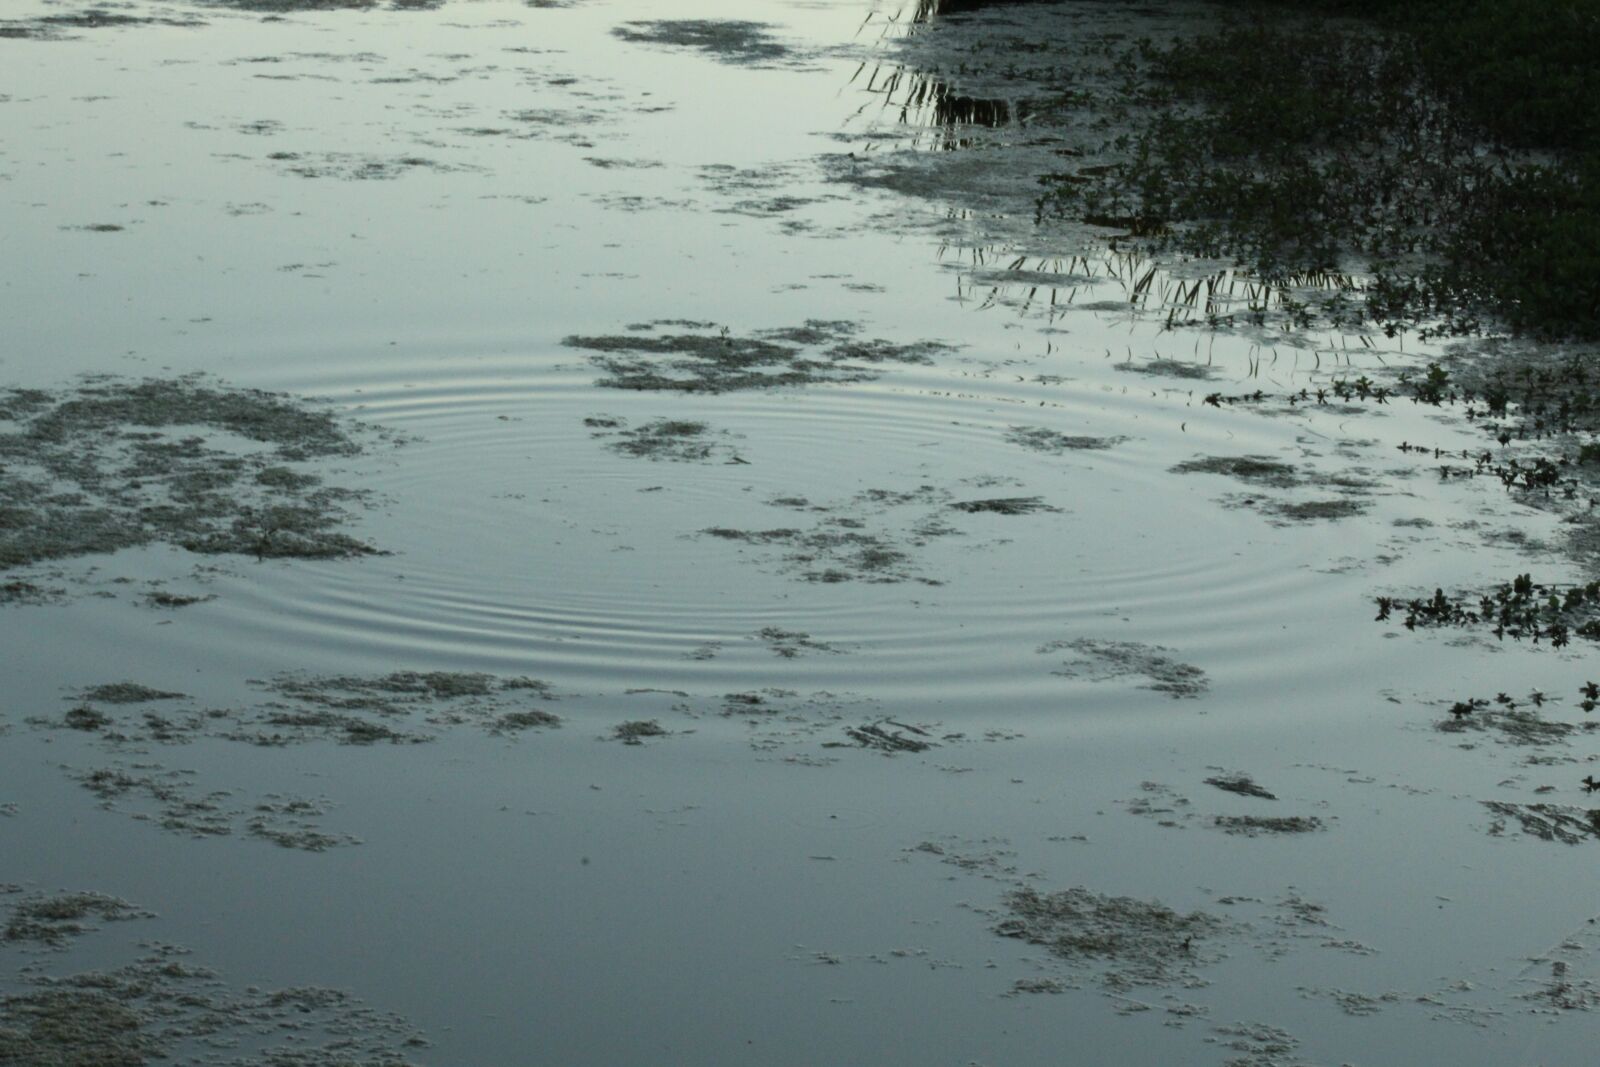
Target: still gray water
{"type": "Point", "coordinates": [798, 613]}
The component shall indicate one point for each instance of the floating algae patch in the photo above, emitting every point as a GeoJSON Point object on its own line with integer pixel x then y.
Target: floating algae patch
{"type": "Point", "coordinates": [65, 27]}
{"type": "Point", "coordinates": [1548, 822]}
{"type": "Point", "coordinates": [161, 1007]}
{"type": "Point", "coordinates": [1255, 825]}
{"type": "Point", "coordinates": [887, 736]}
{"type": "Point", "coordinates": [1100, 660]}
{"type": "Point", "coordinates": [864, 538]}
{"type": "Point", "coordinates": [1256, 470]}
{"type": "Point", "coordinates": [18, 592]}
{"type": "Point", "coordinates": [356, 709]}
{"type": "Point", "coordinates": [1508, 723]}
{"type": "Point", "coordinates": [634, 732]}
{"type": "Point", "coordinates": [399, 707]}
{"type": "Point", "coordinates": [128, 693]}
{"type": "Point", "coordinates": [792, 643]}
{"type": "Point", "coordinates": [1240, 784]}
{"type": "Point", "coordinates": [673, 440]}
{"type": "Point", "coordinates": [1039, 439]}
{"type": "Point", "coordinates": [350, 166]}
{"type": "Point", "coordinates": [174, 802]}
{"type": "Point", "coordinates": [114, 463]}
{"type": "Point", "coordinates": [1009, 505]}
{"type": "Point", "coordinates": [733, 41]}
{"type": "Point", "coordinates": [53, 919]}
{"type": "Point", "coordinates": [1128, 942]}
{"type": "Point", "coordinates": [1169, 368]}
{"type": "Point", "coordinates": [1315, 510]}
{"type": "Point", "coordinates": [646, 358]}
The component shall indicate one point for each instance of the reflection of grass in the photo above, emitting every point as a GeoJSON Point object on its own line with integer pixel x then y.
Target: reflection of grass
{"type": "Point", "coordinates": [1407, 142]}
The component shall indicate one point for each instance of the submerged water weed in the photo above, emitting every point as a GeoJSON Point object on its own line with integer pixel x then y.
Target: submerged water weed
{"type": "Point", "coordinates": [115, 464]}
{"type": "Point", "coordinates": [717, 362]}
{"type": "Point", "coordinates": [1102, 660]}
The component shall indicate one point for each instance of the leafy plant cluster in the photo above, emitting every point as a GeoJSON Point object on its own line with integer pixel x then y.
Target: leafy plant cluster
{"type": "Point", "coordinates": [1516, 609]}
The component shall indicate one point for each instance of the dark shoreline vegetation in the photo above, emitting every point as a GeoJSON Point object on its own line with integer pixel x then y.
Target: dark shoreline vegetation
{"type": "Point", "coordinates": [1450, 148]}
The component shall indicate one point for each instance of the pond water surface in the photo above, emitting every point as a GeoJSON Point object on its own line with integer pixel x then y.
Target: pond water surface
{"type": "Point", "coordinates": [968, 604]}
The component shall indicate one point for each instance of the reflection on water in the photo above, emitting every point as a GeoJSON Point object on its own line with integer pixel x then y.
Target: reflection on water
{"type": "Point", "coordinates": [1005, 275]}
{"type": "Point", "coordinates": [920, 100]}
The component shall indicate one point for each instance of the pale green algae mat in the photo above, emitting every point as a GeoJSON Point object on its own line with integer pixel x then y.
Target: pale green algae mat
{"type": "Point", "coordinates": [603, 533]}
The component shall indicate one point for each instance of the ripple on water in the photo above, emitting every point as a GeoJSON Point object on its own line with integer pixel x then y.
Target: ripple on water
{"type": "Point", "coordinates": [523, 542]}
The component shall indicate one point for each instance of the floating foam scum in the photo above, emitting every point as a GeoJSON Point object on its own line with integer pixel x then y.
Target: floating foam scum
{"type": "Point", "coordinates": [115, 463]}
